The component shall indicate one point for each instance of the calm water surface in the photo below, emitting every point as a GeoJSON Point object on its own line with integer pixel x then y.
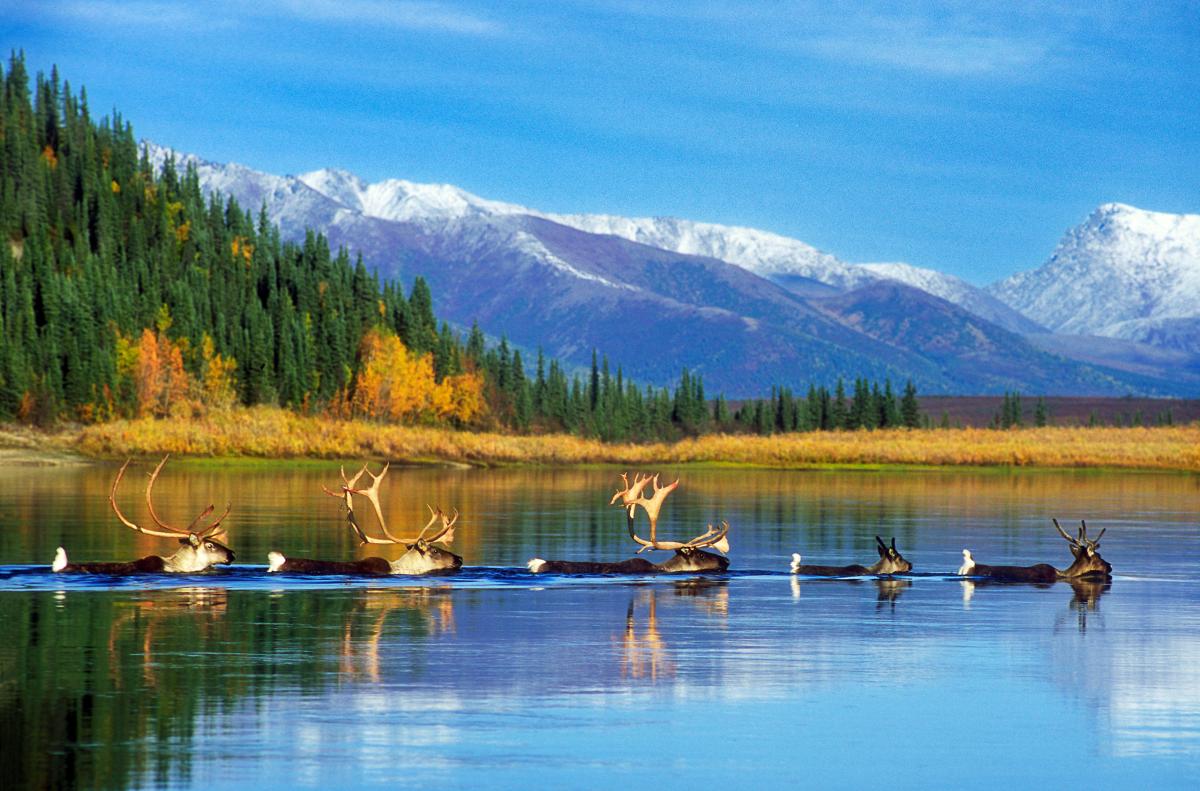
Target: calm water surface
{"type": "Point", "coordinates": [497, 678]}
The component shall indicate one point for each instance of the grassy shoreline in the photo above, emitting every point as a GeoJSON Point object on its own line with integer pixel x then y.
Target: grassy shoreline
{"type": "Point", "coordinates": [265, 433]}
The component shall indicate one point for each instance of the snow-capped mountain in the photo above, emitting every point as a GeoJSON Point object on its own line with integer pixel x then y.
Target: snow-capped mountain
{"type": "Point", "coordinates": [744, 308]}
{"type": "Point", "coordinates": [765, 254]}
{"type": "Point", "coordinates": [957, 291]}
{"type": "Point", "coordinates": [788, 262]}
{"type": "Point", "coordinates": [404, 201]}
{"type": "Point", "coordinates": [1123, 273]}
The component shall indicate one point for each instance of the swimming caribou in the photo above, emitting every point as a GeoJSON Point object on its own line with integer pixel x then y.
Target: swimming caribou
{"type": "Point", "coordinates": [890, 562]}
{"type": "Point", "coordinates": [421, 555]}
{"type": "Point", "coordinates": [689, 556]}
{"type": "Point", "coordinates": [1088, 565]}
{"type": "Point", "coordinates": [200, 550]}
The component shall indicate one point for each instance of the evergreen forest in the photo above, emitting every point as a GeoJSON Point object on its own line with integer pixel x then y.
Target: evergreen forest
{"type": "Point", "coordinates": [125, 291]}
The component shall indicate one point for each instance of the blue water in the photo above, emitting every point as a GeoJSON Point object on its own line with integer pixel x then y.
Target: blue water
{"type": "Point", "coordinates": [498, 678]}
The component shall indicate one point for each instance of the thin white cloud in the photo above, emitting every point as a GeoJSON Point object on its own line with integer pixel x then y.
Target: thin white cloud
{"type": "Point", "coordinates": [402, 14]}
{"type": "Point", "coordinates": [167, 15]}
{"type": "Point", "coordinates": [132, 14]}
{"type": "Point", "coordinates": [947, 53]}
{"type": "Point", "coordinates": [932, 37]}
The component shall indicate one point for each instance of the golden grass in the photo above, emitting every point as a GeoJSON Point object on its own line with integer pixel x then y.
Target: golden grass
{"type": "Point", "coordinates": [279, 434]}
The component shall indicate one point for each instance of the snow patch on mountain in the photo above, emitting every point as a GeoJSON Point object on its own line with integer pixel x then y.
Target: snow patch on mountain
{"type": "Point", "coordinates": [1124, 272]}
{"type": "Point", "coordinates": [765, 254]}
{"type": "Point", "coordinates": [404, 201]}
{"type": "Point", "coordinates": [957, 291]}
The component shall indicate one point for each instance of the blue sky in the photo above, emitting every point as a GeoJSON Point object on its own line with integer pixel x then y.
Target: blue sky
{"type": "Point", "coordinates": [964, 137]}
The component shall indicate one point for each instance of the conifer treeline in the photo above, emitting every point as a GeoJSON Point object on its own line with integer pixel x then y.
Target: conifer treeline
{"type": "Point", "coordinates": [101, 251]}
{"type": "Point", "coordinates": [124, 291]}
{"type": "Point", "coordinates": [869, 407]}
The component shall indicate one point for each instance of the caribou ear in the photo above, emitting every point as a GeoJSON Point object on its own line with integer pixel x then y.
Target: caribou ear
{"type": "Point", "coordinates": [193, 540]}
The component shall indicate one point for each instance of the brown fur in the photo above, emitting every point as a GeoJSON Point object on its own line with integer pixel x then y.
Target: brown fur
{"type": "Point", "coordinates": [366, 566]}
{"type": "Point", "coordinates": [1042, 572]}
{"type": "Point", "coordinates": [151, 564]}
{"type": "Point", "coordinates": [890, 562]}
{"type": "Point", "coordinates": [683, 561]}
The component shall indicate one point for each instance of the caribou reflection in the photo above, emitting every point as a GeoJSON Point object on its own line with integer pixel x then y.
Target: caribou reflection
{"type": "Point", "coordinates": [365, 626]}
{"type": "Point", "coordinates": [643, 653]}
{"type": "Point", "coordinates": [887, 589]}
{"type": "Point", "coordinates": [1085, 596]}
{"type": "Point", "coordinates": [1085, 600]}
{"type": "Point", "coordinates": [152, 622]}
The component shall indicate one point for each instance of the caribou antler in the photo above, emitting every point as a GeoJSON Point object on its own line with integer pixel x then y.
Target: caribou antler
{"type": "Point", "coordinates": [347, 499]}
{"type": "Point", "coordinates": [372, 495]}
{"type": "Point", "coordinates": [654, 504]}
{"type": "Point", "coordinates": [213, 530]}
{"type": "Point", "coordinates": [349, 489]}
{"type": "Point", "coordinates": [713, 537]}
{"type": "Point", "coordinates": [446, 534]}
{"type": "Point", "coordinates": [1080, 541]}
{"type": "Point", "coordinates": [631, 497]}
{"type": "Point", "coordinates": [631, 494]}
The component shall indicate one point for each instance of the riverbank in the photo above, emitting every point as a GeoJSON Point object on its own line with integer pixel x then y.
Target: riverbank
{"type": "Point", "coordinates": [268, 433]}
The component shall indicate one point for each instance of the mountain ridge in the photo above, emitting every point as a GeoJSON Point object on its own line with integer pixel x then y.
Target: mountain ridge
{"type": "Point", "coordinates": [543, 281]}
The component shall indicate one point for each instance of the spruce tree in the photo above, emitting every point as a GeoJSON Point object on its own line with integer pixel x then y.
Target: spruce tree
{"type": "Point", "coordinates": [910, 409]}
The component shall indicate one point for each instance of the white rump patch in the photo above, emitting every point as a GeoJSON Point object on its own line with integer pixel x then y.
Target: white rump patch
{"type": "Point", "coordinates": [275, 561]}
{"type": "Point", "coordinates": [795, 562]}
{"type": "Point", "coordinates": [535, 565]}
{"type": "Point", "coordinates": [60, 560]}
{"type": "Point", "coordinates": [968, 564]}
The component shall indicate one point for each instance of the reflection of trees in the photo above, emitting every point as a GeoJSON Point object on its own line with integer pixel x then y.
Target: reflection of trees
{"type": "Point", "coordinates": [104, 690]}
{"type": "Point", "coordinates": [95, 669]}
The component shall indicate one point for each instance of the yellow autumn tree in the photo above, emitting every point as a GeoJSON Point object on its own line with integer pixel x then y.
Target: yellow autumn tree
{"type": "Point", "coordinates": [395, 384]}
{"type": "Point", "coordinates": [216, 376]}
{"type": "Point", "coordinates": [161, 383]}
{"type": "Point", "coordinates": [460, 397]}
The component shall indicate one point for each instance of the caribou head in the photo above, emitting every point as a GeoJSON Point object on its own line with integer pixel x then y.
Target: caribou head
{"type": "Point", "coordinates": [890, 562]}
{"type": "Point", "coordinates": [689, 555]}
{"type": "Point", "coordinates": [200, 548]}
{"type": "Point", "coordinates": [1087, 566]}
{"type": "Point", "coordinates": [422, 553]}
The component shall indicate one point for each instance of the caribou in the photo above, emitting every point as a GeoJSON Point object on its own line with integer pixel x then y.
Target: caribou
{"type": "Point", "coordinates": [421, 553]}
{"type": "Point", "coordinates": [890, 562]}
{"type": "Point", "coordinates": [689, 556]}
{"type": "Point", "coordinates": [200, 548]}
{"type": "Point", "coordinates": [1087, 566]}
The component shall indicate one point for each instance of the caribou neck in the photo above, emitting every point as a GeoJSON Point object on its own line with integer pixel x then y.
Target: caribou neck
{"type": "Point", "coordinates": [1087, 565]}
{"type": "Point", "coordinates": [193, 559]}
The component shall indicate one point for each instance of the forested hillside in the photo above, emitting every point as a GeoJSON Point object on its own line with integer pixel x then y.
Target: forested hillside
{"type": "Point", "coordinates": [125, 292]}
